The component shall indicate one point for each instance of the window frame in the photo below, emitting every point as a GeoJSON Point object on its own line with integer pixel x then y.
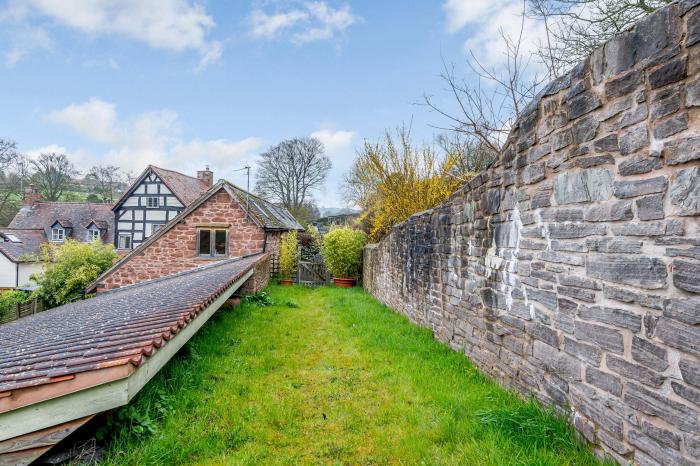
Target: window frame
{"type": "Point", "coordinates": [94, 234]}
{"type": "Point", "coordinates": [152, 198]}
{"type": "Point", "coordinates": [58, 238]}
{"type": "Point", "coordinates": [212, 243]}
{"type": "Point", "coordinates": [119, 241]}
{"type": "Point", "coordinates": [155, 227]}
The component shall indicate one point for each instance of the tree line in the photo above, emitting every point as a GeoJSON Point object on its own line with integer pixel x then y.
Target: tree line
{"type": "Point", "coordinates": [54, 176]}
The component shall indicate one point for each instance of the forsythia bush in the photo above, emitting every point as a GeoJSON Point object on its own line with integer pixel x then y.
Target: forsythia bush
{"type": "Point", "coordinates": [288, 254]}
{"type": "Point", "coordinates": [69, 268]}
{"type": "Point", "coordinates": [342, 249]}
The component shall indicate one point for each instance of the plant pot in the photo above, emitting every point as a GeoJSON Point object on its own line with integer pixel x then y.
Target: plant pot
{"type": "Point", "coordinates": [344, 282]}
{"type": "Point", "coordinates": [286, 282]}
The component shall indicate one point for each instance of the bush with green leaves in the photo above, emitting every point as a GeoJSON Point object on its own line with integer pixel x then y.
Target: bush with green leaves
{"type": "Point", "coordinates": [9, 299]}
{"type": "Point", "coordinates": [69, 268]}
{"type": "Point", "coordinates": [288, 255]}
{"type": "Point", "coordinates": [342, 250]}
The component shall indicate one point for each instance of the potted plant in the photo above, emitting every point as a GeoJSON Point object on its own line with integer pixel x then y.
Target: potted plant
{"type": "Point", "coordinates": [288, 257]}
{"type": "Point", "coordinates": [342, 250]}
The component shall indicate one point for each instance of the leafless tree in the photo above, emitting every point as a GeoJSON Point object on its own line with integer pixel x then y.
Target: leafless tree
{"type": "Point", "coordinates": [470, 154]}
{"type": "Point", "coordinates": [105, 180]}
{"type": "Point", "coordinates": [575, 28]}
{"type": "Point", "coordinates": [12, 175]}
{"type": "Point", "coordinates": [8, 153]}
{"type": "Point", "coordinates": [52, 174]}
{"type": "Point", "coordinates": [289, 172]}
{"type": "Point", "coordinates": [489, 99]}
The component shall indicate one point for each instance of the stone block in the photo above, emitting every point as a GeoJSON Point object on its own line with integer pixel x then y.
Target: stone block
{"type": "Point", "coordinates": [533, 173]}
{"type": "Point", "coordinates": [561, 139]}
{"type": "Point", "coordinates": [693, 24]}
{"type": "Point", "coordinates": [585, 352]}
{"type": "Point", "coordinates": [686, 392]}
{"type": "Point", "coordinates": [678, 335]}
{"type": "Point", "coordinates": [582, 104]}
{"type": "Point", "coordinates": [570, 188]}
{"type": "Point", "coordinates": [547, 298]}
{"type": "Point", "coordinates": [584, 130]}
{"type": "Point", "coordinates": [575, 230]}
{"type": "Point", "coordinates": [650, 207]}
{"type": "Point", "coordinates": [670, 126]}
{"type": "Point", "coordinates": [649, 354]}
{"type": "Point", "coordinates": [639, 164]}
{"type": "Point", "coordinates": [654, 449]}
{"type": "Point", "coordinates": [627, 189]}
{"type": "Point", "coordinates": [604, 381]}
{"type": "Point", "coordinates": [669, 227]}
{"type": "Point", "coordinates": [690, 370]}
{"type": "Point", "coordinates": [543, 333]}
{"type": "Point", "coordinates": [640, 271]}
{"type": "Point", "coordinates": [609, 212]}
{"type": "Point", "coordinates": [633, 371]}
{"type": "Point", "coordinates": [685, 191]}
{"type": "Point", "coordinates": [605, 337]}
{"type": "Point", "coordinates": [655, 404]}
{"type": "Point", "coordinates": [579, 282]}
{"type": "Point", "coordinates": [634, 138]}
{"type": "Point", "coordinates": [692, 93]}
{"type": "Point", "coordinates": [686, 310]}
{"type": "Point", "coordinates": [596, 160]}
{"type": "Point", "coordinates": [624, 84]}
{"type": "Point", "coordinates": [686, 275]}
{"type": "Point", "coordinates": [663, 436]}
{"type": "Point", "coordinates": [560, 258]}
{"type": "Point", "coordinates": [615, 317]}
{"type": "Point", "coordinates": [630, 296]}
{"type": "Point", "coordinates": [682, 150]}
{"type": "Point", "coordinates": [614, 245]}
{"type": "Point", "coordinates": [668, 73]}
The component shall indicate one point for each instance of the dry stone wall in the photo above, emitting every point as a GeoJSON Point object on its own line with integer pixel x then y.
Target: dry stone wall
{"type": "Point", "coordinates": [570, 269]}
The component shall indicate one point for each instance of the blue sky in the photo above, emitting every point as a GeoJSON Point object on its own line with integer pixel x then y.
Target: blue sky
{"type": "Point", "coordinates": [181, 83]}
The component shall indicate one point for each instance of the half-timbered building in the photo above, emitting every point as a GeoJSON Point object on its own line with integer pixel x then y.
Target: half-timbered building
{"type": "Point", "coordinates": [154, 199]}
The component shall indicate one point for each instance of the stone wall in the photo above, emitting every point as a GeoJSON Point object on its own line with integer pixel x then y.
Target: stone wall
{"type": "Point", "coordinates": [175, 251]}
{"type": "Point", "coordinates": [570, 269]}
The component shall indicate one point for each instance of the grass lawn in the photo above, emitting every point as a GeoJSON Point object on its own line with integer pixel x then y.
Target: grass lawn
{"type": "Point", "coordinates": [330, 376]}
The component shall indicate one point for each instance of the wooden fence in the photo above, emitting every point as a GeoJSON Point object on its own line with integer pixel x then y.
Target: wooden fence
{"type": "Point", "coordinates": [22, 310]}
{"type": "Point", "coordinates": [312, 273]}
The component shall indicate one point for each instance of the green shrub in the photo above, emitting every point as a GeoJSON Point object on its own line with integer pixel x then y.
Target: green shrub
{"type": "Point", "coordinates": [69, 268]}
{"type": "Point", "coordinates": [342, 250]}
{"type": "Point", "coordinates": [288, 255]}
{"type": "Point", "coordinates": [8, 301]}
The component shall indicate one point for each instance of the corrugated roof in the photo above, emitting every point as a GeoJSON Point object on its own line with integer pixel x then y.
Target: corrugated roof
{"type": "Point", "coordinates": [117, 327]}
{"type": "Point", "coordinates": [42, 215]}
{"type": "Point", "coordinates": [29, 244]}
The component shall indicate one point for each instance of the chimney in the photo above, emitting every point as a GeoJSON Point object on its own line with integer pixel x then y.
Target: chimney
{"type": "Point", "coordinates": [207, 176]}
{"type": "Point", "coordinates": [31, 196]}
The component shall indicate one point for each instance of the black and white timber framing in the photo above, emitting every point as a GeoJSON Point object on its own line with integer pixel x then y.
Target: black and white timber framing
{"type": "Point", "coordinates": [133, 216]}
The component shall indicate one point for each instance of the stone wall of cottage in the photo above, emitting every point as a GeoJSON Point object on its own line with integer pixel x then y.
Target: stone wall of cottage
{"type": "Point", "coordinates": [570, 269]}
{"type": "Point", "coordinates": [175, 251]}
{"type": "Point", "coordinates": [260, 278]}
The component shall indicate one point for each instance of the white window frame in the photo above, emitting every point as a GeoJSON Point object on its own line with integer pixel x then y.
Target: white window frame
{"type": "Point", "coordinates": [125, 236]}
{"type": "Point", "coordinates": [156, 201]}
{"type": "Point", "coordinates": [94, 234]}
{"type": "Point", "coordinates": [58, 234]}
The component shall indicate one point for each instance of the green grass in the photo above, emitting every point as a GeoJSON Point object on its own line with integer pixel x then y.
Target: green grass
{"type": "Point", "coordinates": [330, 376]}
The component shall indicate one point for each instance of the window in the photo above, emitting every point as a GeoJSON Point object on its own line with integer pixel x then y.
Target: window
{"type": "Point", "coordinates": [58, 234]}
{"type": "Point", "coordinates": [152, 202]}
{"type": "Point", "coordinates": [124, 242]}
{"type": "Point", "coordinates": [212, 243]}
{"type": "Point", "coordinates": [155, 227]}
{"type": "Point", "coordinates": [93, 234]}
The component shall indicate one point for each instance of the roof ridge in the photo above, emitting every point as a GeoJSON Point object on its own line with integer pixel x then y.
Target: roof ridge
{"type": "Point", "coordinates": [73, 203]}
{"type": "Point", "coordinates": [175, 171]}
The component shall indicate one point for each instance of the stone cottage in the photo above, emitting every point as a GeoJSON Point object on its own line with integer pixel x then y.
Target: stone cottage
{"type": "Point", "coordinates": [224, 222]}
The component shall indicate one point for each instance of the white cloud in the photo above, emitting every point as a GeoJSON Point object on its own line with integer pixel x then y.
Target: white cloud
{"type": "Point", "coordinates": [172, 25]}
{"type": "Point", "coordinates": [307, 22]}
{"type": "Point", "coordinates": [334, 141]}
{"type": "Point", "coordinates": [153, 137]}
{"type": "Point", "coordinates": [24, 41]}
{"type": "Point", "coordinates": [55, 148]}
{"type": "Point", "coordinates": [486, 21]}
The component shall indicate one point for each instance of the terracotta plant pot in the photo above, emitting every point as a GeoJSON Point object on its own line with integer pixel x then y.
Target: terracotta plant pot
{"type": "Point", "coordinates": [286, 282]}
{"type": "Point", "coordinates": [344, 282]}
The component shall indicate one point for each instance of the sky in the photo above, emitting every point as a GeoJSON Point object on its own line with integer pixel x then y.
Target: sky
{"type": "Point", "coordinates": [187, 83]}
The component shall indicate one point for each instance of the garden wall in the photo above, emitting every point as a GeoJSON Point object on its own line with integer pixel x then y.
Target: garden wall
{"type": "Point", "coordinates": [570, 269]}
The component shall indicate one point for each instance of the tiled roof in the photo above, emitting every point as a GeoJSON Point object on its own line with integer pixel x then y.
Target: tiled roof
{"type": "Point", "coordinates": [77, 214]}
{"type": "Point", "coordinates": [272, 216]}
{"type": "Point", "coordinates": [117, 327]}
{"type": "Point", "coordinates": [27, 247]}
{"type": "Point", "coordinates": [186, 188]}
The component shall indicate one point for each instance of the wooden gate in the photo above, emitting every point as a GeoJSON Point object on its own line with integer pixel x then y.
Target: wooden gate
{"type": "Point", "coordinates": [312, 273]}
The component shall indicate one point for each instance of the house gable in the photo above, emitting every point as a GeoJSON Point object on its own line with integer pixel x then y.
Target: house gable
{"type": "Point", "coordinates": [175, 248]}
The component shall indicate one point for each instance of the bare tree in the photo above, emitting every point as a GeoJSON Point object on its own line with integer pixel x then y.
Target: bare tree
{"type": "Point", "coordinates": [575, 28]}
{"type": "Point", "coordinates": [106, 179]}
{"type": "Point", "coordinates": [12, 176]}
{"type": "Point", "coordinates": [8, 153]}
{"type": "Point", "coordinates": [289, 172]}
{"type": "Point", "coordinates": [489, 99]}
{"type": "Point", "coordinates": [52, 174]}
{"type": "Point", "coordinates": [470, 155]}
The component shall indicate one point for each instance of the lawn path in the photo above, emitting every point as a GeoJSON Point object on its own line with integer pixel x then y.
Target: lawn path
{"type": "Point", "coordinates": [330, 376]}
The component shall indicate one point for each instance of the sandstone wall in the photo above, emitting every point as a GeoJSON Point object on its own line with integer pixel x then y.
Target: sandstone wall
{"type": "Point", "coordinates": [571, 268]}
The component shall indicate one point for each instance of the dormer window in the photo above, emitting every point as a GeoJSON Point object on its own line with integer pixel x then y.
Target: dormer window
{"type": "Point", "coordinates": [93, 234]}
{"type": "Point", "coordinates": [58, 234]}
{"type": "Point", "coordinates": [152, 202]}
